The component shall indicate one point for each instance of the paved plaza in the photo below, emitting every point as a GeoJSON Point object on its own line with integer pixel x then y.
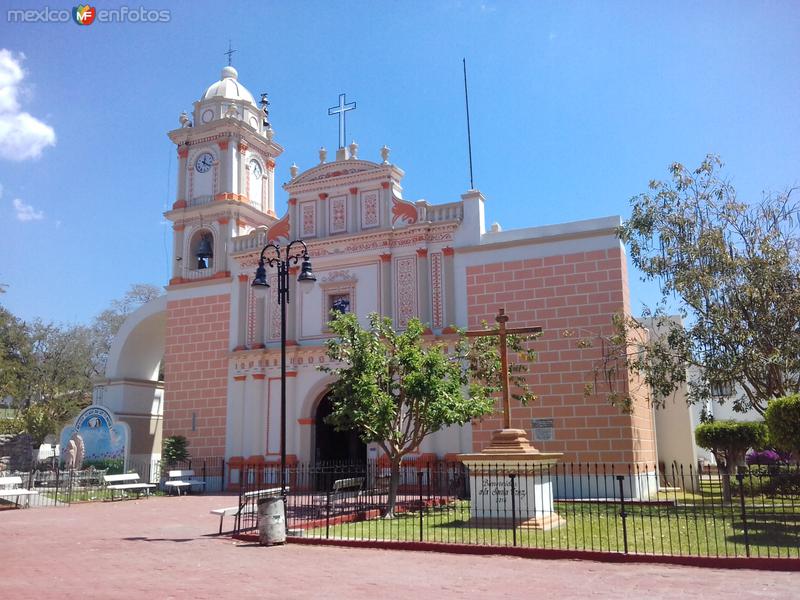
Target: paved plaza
{"type": "Point", "coordinates": [165, 547]}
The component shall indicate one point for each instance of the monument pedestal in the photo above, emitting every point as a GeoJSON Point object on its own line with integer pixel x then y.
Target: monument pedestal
{"type": "Point", "coordinates": [510, 483]}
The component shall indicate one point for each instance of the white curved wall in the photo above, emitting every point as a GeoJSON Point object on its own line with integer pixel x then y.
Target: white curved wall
{"type": "Point", "coordinates": [138, 347]}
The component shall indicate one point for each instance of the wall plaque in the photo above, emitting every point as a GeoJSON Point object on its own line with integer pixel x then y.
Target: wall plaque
{"type": "Point", "coordinates": [543, 430]}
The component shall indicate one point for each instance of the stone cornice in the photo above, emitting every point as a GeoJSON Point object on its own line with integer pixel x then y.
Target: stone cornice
{"type": "Point", "coordinates": [182, 283]}
{"type": "Point", "coordinates": [148, 383]}
{"type": "Point", "coordinates": [267, 360]}
{"type": "Point", "coordinates": [225, 130]}
{"type": "Point", "coordinates": [221, 209]}
{"type": "Point", "coordinates": [489, 244]}
{"type": "Point", "coordinates": [379, 241]}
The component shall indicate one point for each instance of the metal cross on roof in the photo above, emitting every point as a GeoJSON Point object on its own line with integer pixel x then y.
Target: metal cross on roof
{"type": "Point", "coordinates": [341, 110]}
{"type": "Point", "coordinates": [230, 52]}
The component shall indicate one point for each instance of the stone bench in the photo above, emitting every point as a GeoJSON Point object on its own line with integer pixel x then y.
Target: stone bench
{"type": "Point", "coordinates": [127, 482]}
{"type": "Point", "coordinates": [179, 479]}
{"type": "Point", "coordinates": [342, 490]}
{"type": "Point", "coordinates": [11, 487]}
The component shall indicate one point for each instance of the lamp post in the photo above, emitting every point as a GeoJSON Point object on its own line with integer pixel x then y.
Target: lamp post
{"type": "Point", "coordinates": [260, 285]}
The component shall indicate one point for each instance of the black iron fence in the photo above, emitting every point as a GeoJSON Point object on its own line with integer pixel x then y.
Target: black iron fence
{"type": "Point", "coordinates": [638, 509]}
{"type": "Point", "coordinates": [603, 508]}
{"type": "Point", "coordinates": [50, 485]}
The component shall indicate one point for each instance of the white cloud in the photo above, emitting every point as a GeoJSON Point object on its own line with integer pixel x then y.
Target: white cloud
{"type": "Point", "coordinates": [22, 136]}
{"type": "Point", "coordinates": [26, 212]}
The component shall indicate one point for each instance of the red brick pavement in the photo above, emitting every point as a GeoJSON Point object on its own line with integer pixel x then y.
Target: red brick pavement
{"type": "Point", "coordinates": [164, 547]}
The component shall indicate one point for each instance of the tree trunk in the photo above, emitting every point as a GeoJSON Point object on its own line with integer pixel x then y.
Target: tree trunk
{"type": "Point", "coordinates": [725, 476]}
{"type": "Point", "coordinates": [394, 483]}
{"type": "Point", "coordinates": [724, 469]}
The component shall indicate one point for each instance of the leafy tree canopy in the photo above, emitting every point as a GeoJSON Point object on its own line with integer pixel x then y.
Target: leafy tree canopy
{"type": "Point", "coordinates": [47, 369]}
{"type": "Point", "coordinates": [734, 269]}
{"type": "Point", "coordinates": [729, 442]}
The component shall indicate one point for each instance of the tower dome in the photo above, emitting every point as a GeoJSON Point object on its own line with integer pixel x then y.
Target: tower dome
{"type": "Point", "coordinates": [228, 87]}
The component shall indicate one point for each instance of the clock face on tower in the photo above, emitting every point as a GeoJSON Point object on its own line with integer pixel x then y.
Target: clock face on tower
{"type": "Point", "coordinates": [204, 162]}
{"type": "Point", "coordinates": [255, 169]}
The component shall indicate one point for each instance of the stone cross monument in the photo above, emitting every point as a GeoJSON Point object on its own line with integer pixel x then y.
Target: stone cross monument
{"type": "Point", "coordinates": [510, 479]}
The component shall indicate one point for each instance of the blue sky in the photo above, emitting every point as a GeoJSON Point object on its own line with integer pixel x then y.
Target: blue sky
{"type": "Point", "coordinates": [575, 106]}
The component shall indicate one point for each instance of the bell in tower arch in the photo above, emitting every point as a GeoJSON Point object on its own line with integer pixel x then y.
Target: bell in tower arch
{"type": "Point", "coordinates": [205, 252]}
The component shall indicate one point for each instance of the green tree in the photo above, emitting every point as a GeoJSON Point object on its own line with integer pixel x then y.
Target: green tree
{"type": "Point", "coordinates": [60, 366]}
{"type": "Point", "coordinates": [783, 422]}
{"type": "Point", "coordinates": [55, 382]}
{"type": "Point", "coordinates": [729, 442]}
{"type": "Point", "coordinates": [48, 368]}
{"type": "Point", "coordinates": [15, 350]}
{"type": "Point", "coordinates": [395, 388]}
{"type": "Point", "coordinates": [43, 418]}
{"type": "Point", "coordinates": [734, 268]}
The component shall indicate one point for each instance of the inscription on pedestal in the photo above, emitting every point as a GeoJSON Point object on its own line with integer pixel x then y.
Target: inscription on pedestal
{"type": "Point", "coordinates": [491, 496]}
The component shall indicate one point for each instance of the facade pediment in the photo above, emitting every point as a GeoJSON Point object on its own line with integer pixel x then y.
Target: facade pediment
{"type": "Point", "coordinates": [344, 172]}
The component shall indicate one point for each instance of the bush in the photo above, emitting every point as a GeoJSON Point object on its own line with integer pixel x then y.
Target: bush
{"type": "Point", "coordinates": [730, 440]}
{"type": "Point", "coordinates": [764, 458]}
{"type": "Point", "coordinates": [783, 421]}
{"type": "Point", "coordinates": [9, 426]}
{"type": "Point", "coordinates": [174, 449]}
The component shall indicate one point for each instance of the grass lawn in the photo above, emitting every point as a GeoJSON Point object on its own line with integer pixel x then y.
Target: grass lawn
{"type": "Point", "coordinates": [685, 529]}
{"type": "Point", "coordinates": [90, 494]}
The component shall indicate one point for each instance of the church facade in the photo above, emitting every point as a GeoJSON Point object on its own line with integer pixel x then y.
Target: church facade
{"type": "Point", "coordinates": [372, 250]}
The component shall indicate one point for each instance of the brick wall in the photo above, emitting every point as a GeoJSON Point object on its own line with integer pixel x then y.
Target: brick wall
{"type": "Point", "coordinates": [196, 372]}
{"type": "Point", "coordinates": [579, 292]}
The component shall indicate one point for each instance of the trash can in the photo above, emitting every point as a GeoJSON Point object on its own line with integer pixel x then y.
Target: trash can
{"type": "Point", "coordinates": [271, 521]}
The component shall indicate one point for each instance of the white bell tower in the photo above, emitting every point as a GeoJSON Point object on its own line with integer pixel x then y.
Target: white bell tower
{"type": "Point", "coordinates": [226, 177]}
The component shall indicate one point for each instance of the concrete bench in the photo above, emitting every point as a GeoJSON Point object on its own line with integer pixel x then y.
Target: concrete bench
{"type": "Point", "coordinates": [382, 483]}
{"type": "Point", "coordinates": [179, 479]}
{"type": "Point", "coordinates": [127, 482]}
{"type": "Point", "coordinates": [246, 501]}
{"type": "Point", "coordinates": [88, 477]}
{"type": "Point", "coordinates": [343, 490]}
{"type": "Point", "coordinates": [11, 487]}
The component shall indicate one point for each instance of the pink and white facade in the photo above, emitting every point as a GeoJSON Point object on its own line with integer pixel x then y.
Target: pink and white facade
{"type": "Point", "coordinates": [377, 252]}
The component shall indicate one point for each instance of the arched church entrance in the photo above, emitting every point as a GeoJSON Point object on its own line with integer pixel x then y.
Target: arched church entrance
{"type": "Point", "coordinates": [333, 446]}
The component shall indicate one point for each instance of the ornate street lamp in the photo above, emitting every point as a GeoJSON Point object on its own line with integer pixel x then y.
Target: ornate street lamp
{"type": "Point", "coordinates": [260, 285]}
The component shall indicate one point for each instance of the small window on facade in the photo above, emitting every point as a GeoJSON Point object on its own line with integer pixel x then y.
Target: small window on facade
{"type": "Point", "coordinates": [722, 389]}
{"type": "Point", "coordinates": [339, 302]}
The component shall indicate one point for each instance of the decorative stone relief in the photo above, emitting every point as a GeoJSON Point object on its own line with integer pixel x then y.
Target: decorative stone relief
{"type": "Point", "coordinates": [275, 309]}
{"type": "Point", "coordinates": [406, 289]}
{"type": "Point", "coordinates": [338, 214]}
{"type": "Point", "coordinates": [308, 219]}
{"type": "Point", "coordinates": [251, 316]}
{"type": "Point", "coordinates": [437, 317]}
{"type": "Point", "coordinates": [369, 209]}
{"type": "Point", "coordinates": [403, 212]}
